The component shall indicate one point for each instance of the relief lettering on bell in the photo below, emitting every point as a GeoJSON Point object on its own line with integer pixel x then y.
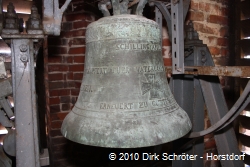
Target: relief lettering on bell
{"type": "Point", "coordinates": [124, 100]}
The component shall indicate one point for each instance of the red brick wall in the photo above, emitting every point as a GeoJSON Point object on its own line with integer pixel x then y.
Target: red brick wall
{"type": "Point", "coordinates": [65, 64]}
{"type": "Point", "coordinates": [211, 21]}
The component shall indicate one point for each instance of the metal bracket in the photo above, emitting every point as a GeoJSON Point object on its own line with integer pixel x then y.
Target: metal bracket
{"type": "Point", "coordinates": [2, 68]}
{"type": "Point", "coordinates": [209, 91]}
{"type": "Point", "coordinates": [4, 120]}
{"type": "Point", "coordinates": [25, 106]}
{"type": "Point", "coordinates": [52, 16]}
{"type": "Point", "coordinates": [175, 23]}
{"type": "Point", "coordinates": [177, 37]}
{"type": "Point", "coordinates": [5, 105]}
{"type": "Point", "coordinates": [164, 11]}
{"type": "Point", "coordinates": [103, 8]}
{"type": "Point", "coordinates": [6, 87]}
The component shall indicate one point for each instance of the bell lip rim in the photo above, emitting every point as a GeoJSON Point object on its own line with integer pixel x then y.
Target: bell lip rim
{"type": "Point", "coordinates": [184, 132]}
{"type": "Point", "coordinates": [142, 146]}
{"type": "Point", "coordinates": [93, 145]}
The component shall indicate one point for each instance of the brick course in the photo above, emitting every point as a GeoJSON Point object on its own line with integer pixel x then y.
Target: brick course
{"type": "Point", "coordinates": [213, 23]}
{"type": "Point", "coordinates": [65, 67]}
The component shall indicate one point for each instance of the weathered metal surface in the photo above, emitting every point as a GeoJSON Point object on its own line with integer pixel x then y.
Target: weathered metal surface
{"type": "Point", "coordinates": [2, 68]}
{"type": "Point", "coordinates": [233, 71]}
{"type": "Point", "coordinates": [9, 142]}
{"type": "Point", "coordinates": [6, 106]}
{"type": "Point", "coordinates": [188, 94]}
{"type": "Point", "coordinates": [133, 3]}
{"type": "Point", "coordinates": [4, 160]}
{"type": "Point", "coordinates": [164, 11]}
{"type": "Point", "coordinates": [46, 83]}
{"type": "Point", "coordinates": [4, 120]}
{"type": "Point", "coordinates": [210, 90]}
{"type": "Point", "coordinates": [7, 88]}
{"type": "Point", "coordinates": [162, 6]}
{"type": "Point", "coordinates": [22, 36]}
{"type": "Point", "coordinates": [27, 152]}
{"type": "Point", "coordinates": [177, 19]}
{"type": "Point", "coordinates": [231, 115]}
{"type": "Point", "coordinates": [34, 24]}
{"type": "Point", "coordinates": [125, 100]}
{"type": "Point", "coordinates": [140, 7]}
{"type": "Point", "coordinates": [11, 21]}
{"type": "Point", "coordinates": [103, 8]}
{"type": "Point", "coordinates": [229, 71]}
{"type": "Point", "coordinates": [116, 7]}
{"type": "Point", "coordinates": [124, 7]}
{"type": "Point", "coordinates": [7, 65]}
{"type": "Point", "coordinates": [216, 107]}
{"type": "Point", "coordinates": [52, 16]}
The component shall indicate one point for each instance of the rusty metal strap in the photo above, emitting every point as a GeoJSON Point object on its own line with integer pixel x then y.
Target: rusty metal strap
{"type": "Point", "coordinates": [237, 108]}
{"type": "Point", "coordinates": [230, 71]}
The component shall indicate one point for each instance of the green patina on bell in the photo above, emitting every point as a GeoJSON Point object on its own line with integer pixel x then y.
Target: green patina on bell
{"type": "Point", "coordinates": [124, 100]}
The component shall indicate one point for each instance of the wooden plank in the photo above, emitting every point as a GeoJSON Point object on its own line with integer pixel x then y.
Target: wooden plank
{"type": "Point", "coordinates": [245, 27]}
{"type": "Point", "coordinates": [244, 140]}
{"type": "Point", "coordinates": [244, 121]}
{"type": "Point", "coordinates": [245, 45]}
{"type": "Point", "coordinates": [245, 9]}
{"type": "Point", "coordinates": [248, 107]}
{"type": "Point", "coordinates": [243, 62]}
{"type": "Point", "coordinates": [247, 159]}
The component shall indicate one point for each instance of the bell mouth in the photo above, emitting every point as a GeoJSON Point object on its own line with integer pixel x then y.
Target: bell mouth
{"type": "Point", "coordinates": [126, 133]}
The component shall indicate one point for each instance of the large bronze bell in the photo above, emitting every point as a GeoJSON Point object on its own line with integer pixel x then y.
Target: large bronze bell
{"type": "Point", "coordinates": [124, 100]}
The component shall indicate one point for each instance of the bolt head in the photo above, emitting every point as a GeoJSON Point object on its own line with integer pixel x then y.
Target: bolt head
{"type": "Point", "coordinates": [23, 48]}
{"type": "Point", "coordinates": [24, 58]}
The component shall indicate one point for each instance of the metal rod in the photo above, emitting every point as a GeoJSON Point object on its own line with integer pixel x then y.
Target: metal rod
{"type": "Point", "coordinates": [103, 8]}
{"type": "Point", "coordinates": [163, 9]}
{"type": "Point", "coordinates": [140, 7]}
{"type": "Point", "coordinates": [230, 71]}
{"type": "Point", "coordinates": [237, 108]}
{"type": "Point", "coordinates": [116, 7]}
